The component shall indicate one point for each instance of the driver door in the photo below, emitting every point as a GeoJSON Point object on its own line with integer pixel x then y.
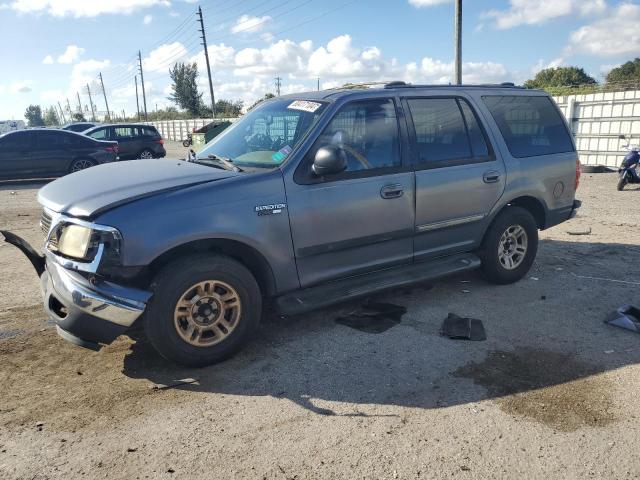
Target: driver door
{"type": "Point", "coordinates": [362, 219]}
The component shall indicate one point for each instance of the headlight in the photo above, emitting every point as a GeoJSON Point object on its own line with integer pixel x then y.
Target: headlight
{"type": "Point", "coordinates": [74, 241]}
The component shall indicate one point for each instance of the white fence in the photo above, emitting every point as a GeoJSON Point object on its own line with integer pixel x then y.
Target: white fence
{"type": "Point", "coordinates": [177, 129]}
{"type": "Point", "coordinates": [598, 119]}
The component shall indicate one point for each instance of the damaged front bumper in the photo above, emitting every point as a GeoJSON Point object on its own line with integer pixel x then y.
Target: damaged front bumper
{"type": "Point", "coordinates": [87, 312]}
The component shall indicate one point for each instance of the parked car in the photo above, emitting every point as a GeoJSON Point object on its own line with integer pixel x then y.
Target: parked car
{"type": "Point", "coordinates": [79, 126]}
{"type": "Point", "coordinates": [134, 141]}
{"type": "Point", "coordinates": [45, 153]}
{"type": "Point", "coordinates": [309, 199]}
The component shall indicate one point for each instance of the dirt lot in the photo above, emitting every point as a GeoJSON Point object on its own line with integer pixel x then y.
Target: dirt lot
{"type": "Point", "coordinates": [552, 393]}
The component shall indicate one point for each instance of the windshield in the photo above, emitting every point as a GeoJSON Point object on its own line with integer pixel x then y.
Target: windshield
{"type": "Point", "coordinates": [265, 136]}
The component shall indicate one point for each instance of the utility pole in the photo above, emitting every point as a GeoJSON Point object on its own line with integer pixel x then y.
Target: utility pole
{"type": "Point", "coordinates": [93, 113]}
{"type": "Point", "coordinates": [104, 92]}
{"type": "Point", "coordinates": [206, 57]}
{"type": "Point", "coordinates": [457, 38]}
{"type": "Point", "coordinates": [69, 110]}
{"type": "Point", "coordinates": [64, 119]}
{"type": "Point", "coordinates": [79, 103]}
{"type": "Point", "coordinates": [137, 102]}
{"type": "Point", "coordinates": [144, 95]}
{"type": "Point", "coordinates": [318, 83]}
{"type": "Point", "coordinates": [278, 85]}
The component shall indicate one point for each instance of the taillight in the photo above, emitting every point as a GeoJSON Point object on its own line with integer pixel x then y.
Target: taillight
{"type": "Point", "coordinates": [578, 173]}
{"type": "Point", "coordinates": [160, 141]}
{"type": "Point", "coordinates": [112, 149]}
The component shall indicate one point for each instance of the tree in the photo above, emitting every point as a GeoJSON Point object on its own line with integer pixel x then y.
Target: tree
{"type": "Point", "coordinates": [185, 87]}
{"type": "Point", "coordinates": [627, 73]}
{"type": "Point", "coordinates": [267, 96]}
{"type": "Point", "coordinates": [228, 108]}
{"type": "Point", "coordinates": [33, 114]}
{"type": "Point", "coordinates": [560, 77]}
{"type": "Point", "coordinates": [78, 117]}
{"type": "Point", "coordinates": [51, 117]}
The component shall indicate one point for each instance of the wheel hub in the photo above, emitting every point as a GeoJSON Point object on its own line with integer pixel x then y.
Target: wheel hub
{"type": "Point", "coordinates": [512, 247]}
{"type": "Point", "coordinates": [207, 313]}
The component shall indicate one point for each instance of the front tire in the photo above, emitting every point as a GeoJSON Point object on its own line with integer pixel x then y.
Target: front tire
{"type": "Point", "coordinates": [622, 182]}
{"type": "Point", "coordinates": [509, 246]}
{"type": "Point", "coordinates": [204, 309]}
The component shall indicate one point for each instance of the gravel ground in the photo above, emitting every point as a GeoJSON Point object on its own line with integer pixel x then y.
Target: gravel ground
{"type": "Point", "coordinates": [552, 393]}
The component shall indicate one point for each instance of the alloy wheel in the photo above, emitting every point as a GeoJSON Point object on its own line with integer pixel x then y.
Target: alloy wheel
{"type": "Point", "coordinates": [207, 313]}
{"type": "Point", "coordinates": [512, 247]}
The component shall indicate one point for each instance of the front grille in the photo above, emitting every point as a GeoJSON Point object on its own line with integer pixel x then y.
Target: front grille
{"type": "Point", "coordinates": [45, 223]}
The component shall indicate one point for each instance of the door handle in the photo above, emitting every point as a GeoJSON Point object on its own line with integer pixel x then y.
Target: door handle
{"type": "Point", "coordinates": [491, 177]}
{"type": "Point", "coordinates": [392, 191]}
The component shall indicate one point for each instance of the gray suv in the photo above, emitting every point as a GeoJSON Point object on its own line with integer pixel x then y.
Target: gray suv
{"type": "Point", "coordinates": [307, 200]}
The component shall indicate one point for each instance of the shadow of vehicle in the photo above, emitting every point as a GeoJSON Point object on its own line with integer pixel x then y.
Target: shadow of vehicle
{"type": "Point", "coordinates": [546, 338]}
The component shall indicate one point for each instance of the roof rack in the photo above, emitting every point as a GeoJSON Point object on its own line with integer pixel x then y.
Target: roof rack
{"type": "Point", "coordinates": [401, 84]}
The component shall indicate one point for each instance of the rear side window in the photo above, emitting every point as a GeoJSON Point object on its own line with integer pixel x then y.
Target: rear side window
{"type": "Point", "coordinates": [530, 125]}
{"type": "Point", "coordinates": [447, 132]}
{"type": "Point", "coordinates": [149, 131]}
{"type": "Point", "coordinates": [124, 132]}
{"type": "Point", "coordinates": [53, 140]}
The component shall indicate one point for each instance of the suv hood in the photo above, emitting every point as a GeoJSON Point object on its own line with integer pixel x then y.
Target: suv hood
{"type": "Point", "coordinates": [92, 191]}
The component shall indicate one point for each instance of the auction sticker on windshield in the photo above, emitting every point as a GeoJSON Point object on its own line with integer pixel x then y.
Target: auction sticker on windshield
{"type": "Point", "coordinates": [305, 106]}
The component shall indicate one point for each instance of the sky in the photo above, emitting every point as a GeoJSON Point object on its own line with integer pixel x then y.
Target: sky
{"type": "Point", "coordinates": [52, 49]}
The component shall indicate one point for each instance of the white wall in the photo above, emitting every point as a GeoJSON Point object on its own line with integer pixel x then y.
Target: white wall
{"type": "Point", "coordinates": [598, 119]}
{"type": "Point", "coordinates": [177, 129]}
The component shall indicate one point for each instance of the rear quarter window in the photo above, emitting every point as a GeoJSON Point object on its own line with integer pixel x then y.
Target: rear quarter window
{"type": "Point", "coordinates": [530, 125]}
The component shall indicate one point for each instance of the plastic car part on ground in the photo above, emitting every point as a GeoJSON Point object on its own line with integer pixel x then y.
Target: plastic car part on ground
{"type": "Point", "coordinates": [460, 328]}
{"type": "Point", "coordinates": [627, 317]}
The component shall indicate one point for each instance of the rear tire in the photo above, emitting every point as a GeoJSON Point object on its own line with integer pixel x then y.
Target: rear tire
{"type": "Point", "coordinates": [145, 154]}
{"type": "Point", "coordinates": [204, 309]}
{"type": "Point", "coordinates": [509, 246]}
{"type": "Point", "coordinates": [81, 164]}
{"type": "Point", "coordinates": [186, 143]}
{"type": "Point", "coordinates": [622, 182]}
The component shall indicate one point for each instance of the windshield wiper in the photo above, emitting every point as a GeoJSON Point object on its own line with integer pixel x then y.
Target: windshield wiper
{"type": "Point", "coordinates": [223, 163]}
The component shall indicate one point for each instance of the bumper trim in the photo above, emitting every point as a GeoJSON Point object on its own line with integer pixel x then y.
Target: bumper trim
{"type": "Point", "coordinates": [71, 338]}
{"type": "Point", "coordinates": [101, 299]}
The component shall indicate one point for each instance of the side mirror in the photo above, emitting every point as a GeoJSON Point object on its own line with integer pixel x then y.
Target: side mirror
{"type": "Point", "coordinates": [329, 160]}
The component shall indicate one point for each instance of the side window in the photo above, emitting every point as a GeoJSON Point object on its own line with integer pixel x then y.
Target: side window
{"type": "Point", "coordinates": [148, 131]}
{"type": "Point", "coordinates": [368, 133]}
{"type": "Point", "coordinates": [440, 133]}
{"type": "Point", "coordinates": [53, 140]}
{"type": "Point", "coordinates": [477, 139]}
{"type": "Point", "coordinates": [530, 125]}
{"type": "Point", "coordinates": [100, 134]}
{"type": "Point", "coordinates": [15, 142]}
{"type": "Point", "coordinates": [123, 133]}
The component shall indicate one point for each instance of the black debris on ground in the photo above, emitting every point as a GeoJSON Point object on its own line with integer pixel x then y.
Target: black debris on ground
{"type": "Point", "coordinates": [374, 317]}
{"type": "Point", "coordinates": [462, 328]}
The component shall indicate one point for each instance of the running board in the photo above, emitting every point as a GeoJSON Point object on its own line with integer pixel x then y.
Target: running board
{"type": "Point", "coordinates": [338, 291]}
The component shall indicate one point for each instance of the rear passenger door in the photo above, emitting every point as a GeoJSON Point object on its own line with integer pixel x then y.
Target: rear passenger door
{"type": "Point", "coordinates": [53, 152]}
{"type": "Point", "coordinates": [127, 141]}
{"type": "Point", "coordinates": [458, 176]}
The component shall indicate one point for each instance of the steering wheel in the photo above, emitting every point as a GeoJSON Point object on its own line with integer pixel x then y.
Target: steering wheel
{"type": "Point", "coordinates": [358, 156]}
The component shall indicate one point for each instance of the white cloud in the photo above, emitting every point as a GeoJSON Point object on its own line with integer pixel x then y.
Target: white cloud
{"type": "Point", "coordinates": [428, 3]}
{"type": "Point", "coordinates": [48, 60]}
{"type": "Point", "coordinates": [163, 57]}
{"type": "Point", "coordinates": [615, 35]}
{"type": "Point", "coordinates": [284, 56]}
{"type": "Point", "coordinates": [71, 54]}
{"type": "Point", "coordinates": [535, 12]}
{"type": "Point", "coordinates": [84, 73]}
{"type": "Point", "coordinates": [20, 87]}
{"type": "Point", "coordinates": [436, 71]}
{"type": "Point", "coordinates": [250, 24]}
{"type": "Point", "coordinates": [147, 19]}
{"type": "Point", "coordinates": [541, 64]}
{"type": "Point", "coordinates": [82, 8]}
{"type": "Point", "coordinates": [341, 59]}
